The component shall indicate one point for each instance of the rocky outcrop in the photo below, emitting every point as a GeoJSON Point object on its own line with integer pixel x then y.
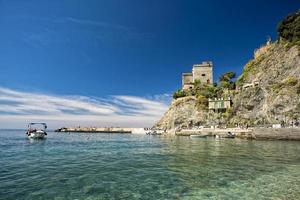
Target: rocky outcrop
{"type": "Point", "coordinates": [182, 113]}
{"type": "Point", "coordinates": [268, 90]}
{"type": "Point", "coordinates": [186, 113]}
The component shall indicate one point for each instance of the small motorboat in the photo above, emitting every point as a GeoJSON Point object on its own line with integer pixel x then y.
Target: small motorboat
{"type": "Point", "coordinates": [230, 135]}
{"type": "Point", "coordinates": [36, 130]}
{"type": "Point", "coordinates": [217, 136]}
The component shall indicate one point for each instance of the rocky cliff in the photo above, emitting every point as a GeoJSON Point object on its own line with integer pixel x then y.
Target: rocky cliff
{"type": "Point", "coordinates": [268, 90]}
{"type": "Point", "coordinates": [182, 113]}
{"type": "Point", "coordinates": [276, 73]}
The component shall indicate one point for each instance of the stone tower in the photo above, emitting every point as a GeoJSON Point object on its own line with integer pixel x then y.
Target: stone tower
{"type": "Point", "coordinates": [202, 72]}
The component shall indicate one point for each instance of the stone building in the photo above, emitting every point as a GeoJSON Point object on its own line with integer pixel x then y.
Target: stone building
{"type": "Point", "coordinates": [219, 105]}
{"type": "Point", "coordinates": [202, 72]}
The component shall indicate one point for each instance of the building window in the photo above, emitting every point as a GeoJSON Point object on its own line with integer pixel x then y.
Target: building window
{"type": "Point", "coordinates": [208, 81]}
{"type": "Point", "coordinates": [203, 75]}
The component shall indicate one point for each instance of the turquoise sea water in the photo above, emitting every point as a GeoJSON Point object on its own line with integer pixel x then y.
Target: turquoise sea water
{"type": "Point", "coordinates": [116, 166]}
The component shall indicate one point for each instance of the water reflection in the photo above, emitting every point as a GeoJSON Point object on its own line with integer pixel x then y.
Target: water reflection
{"type": "Point", "coordinates": [36, 141]}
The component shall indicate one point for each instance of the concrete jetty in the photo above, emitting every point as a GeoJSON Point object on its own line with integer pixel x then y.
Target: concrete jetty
{"type": "Point", "coordinates": [102, 130]}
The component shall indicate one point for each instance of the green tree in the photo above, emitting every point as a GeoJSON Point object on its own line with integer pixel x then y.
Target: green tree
{"type": "Point", "coordinates": [289, 28]}
{"type": "Point", "coordinates": [226, 81]}
{"type": "Point", "coordinates": [197, 83]}
{"type": "Point", "coordinates": [227, 77]}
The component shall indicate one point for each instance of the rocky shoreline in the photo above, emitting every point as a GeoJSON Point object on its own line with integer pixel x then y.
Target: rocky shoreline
{"type": "Point", "coordinates": [288, 133]}
{"type": "Point", "coordinates": [276, 134]}
{"type": "Point", "coordinates": [251, 133]}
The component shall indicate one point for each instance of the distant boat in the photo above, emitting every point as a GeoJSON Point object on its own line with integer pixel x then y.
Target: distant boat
{"type": "Point", "coordinates": [198, 136]}
{"type": "Point", "coordinates": [230, 135]}
{"type": "Point", "coordinates": [36, 130]}
{"type": "Point", "coordinates": [155, 132]}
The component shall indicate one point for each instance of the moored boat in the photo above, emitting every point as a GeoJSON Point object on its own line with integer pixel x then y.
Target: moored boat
{"type": "Point", "coordinates": [36, 130]}
{"type": "Point", "coordinates": [155, 132]}
{"type": "Point", "coordinates": [230, 135]}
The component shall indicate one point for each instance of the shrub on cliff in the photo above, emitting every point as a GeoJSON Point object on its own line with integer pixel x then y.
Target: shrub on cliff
{"type": "Point", "coordinates": [179, 94]}
{"type": "Point", "coordinates": [289, 28]}
{"type": "Point", "coordinates": [227, 85]}
{"type": "Point", "coordinates": [298, 88]}
{"type": "Point", "coordinates": [202, 102]}
{"type": "Point", "coordinates": [290, 81]}
{"type": "Point", "coordinates": [208, 91]}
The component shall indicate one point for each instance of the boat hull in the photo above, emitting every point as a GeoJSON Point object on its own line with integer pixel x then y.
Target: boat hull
{"type": "Point", "coordinates": [37, 135]}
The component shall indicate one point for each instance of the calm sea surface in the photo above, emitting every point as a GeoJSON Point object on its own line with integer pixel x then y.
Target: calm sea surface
{"type": "Point", "coordinates": [116, 166]}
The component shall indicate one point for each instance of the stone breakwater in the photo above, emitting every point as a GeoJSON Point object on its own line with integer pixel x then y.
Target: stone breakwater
{"type": "Point", "coordinates": [103, 130]}
{"type": "Point", "coordinates": [251, 133]}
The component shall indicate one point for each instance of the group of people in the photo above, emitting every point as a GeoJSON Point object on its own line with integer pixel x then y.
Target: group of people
{"type": "Point", "coordinates": [292, 123]}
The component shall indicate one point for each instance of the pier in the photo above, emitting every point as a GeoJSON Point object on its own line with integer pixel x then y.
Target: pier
{"type": "Point", "coordinates": [102, 130]}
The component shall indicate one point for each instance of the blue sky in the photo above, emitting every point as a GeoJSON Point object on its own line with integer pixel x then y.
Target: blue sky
{"type": "Point", "coordinates": [105, 49]}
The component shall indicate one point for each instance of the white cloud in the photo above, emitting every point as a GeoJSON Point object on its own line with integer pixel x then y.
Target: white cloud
{"type": "Point", "coordinates": [18, 108]}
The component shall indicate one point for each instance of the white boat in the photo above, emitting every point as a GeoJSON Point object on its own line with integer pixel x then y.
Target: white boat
{"type": "Point", "coordinates": [155, 132]}
{"type": "Point", "coordinates": [36, 130]}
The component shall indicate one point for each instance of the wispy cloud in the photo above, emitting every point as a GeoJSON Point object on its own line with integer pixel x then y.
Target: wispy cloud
{"type": "Point", "coordinates": [111, 32]}
{"type": "Point", "coordinates": [49, 31]}
{"type": "Point", "coordinates": [19, 107]}
{"type": "Point", "coordinates": [99, 24]}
